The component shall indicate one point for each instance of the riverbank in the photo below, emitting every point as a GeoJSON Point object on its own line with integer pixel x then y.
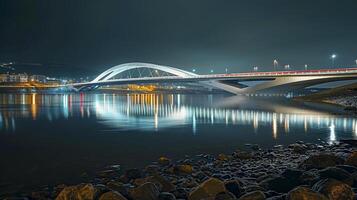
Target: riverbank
{"type": "Point", "coordinates": [297, 171]}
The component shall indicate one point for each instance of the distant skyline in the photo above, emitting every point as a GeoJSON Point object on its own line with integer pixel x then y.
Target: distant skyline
{"type": "Point", "coordinates": [83, 38]}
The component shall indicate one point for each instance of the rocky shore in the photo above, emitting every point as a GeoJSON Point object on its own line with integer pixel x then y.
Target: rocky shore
{"type": "Point", "coordinates": [349, 102]}
{"type": "Point", "coordinates": [298, 171]}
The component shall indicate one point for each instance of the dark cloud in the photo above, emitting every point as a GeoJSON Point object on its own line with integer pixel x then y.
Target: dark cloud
{"type": "Point", "coordinates": [205, 34]}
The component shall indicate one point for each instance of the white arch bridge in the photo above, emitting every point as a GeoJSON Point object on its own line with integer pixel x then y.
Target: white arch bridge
{"type": "Point", "coordinates": [277, 81]}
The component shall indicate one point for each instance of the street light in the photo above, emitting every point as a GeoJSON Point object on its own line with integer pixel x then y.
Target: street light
{"type": "Point", "coordinates": [211, 70]}
{"type": "Point", "coordinates": [333, 57]}
{"type": "Point", "coordinates": [193, 70]}
{"type": "Point", "coordinates": [226, 71]}
{"type": "Point", "coordinates": [305, 66]}
{"type": "Point", "coordinates": [275, 63]}
{"type": "Point", "coordinates": [255, 68]}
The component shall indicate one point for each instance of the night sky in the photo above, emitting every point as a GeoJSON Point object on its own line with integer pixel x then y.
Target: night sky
{"type": "Point", "coordinates": [83, 38]}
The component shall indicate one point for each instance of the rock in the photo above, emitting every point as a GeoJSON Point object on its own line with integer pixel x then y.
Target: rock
{"type": "Point", "coordinates": [334, 190]}
{"type": "Point", "coordinates": [225, 196]}
{"type": "Point", "coordinates": [255, 147]}
{"type": "Point", "coordinates": [188, 169]}
{"type": "Point", "coordinates": [338, 174]}
{"type": "Point", "coordinates": [243, 155]}
{"type": "Point", "coordinates": [162, 183]}
{"type": "Point", "coordinates": [118, 187]}
{"type": "Point", "coordinates": [208, 189]}
{"type": "Point", "coordinates": [348, 168]}
{"type": "Point", "coordinates": [320, 161]}
{"type": "Point", "coordinates": [147, 191]}
{"type": "Point", "coordinates": [234, 187]}
{"type": "Point", "coordinates": [292, 173]}
{"type": "Point", "coordinates": [112, 196]}
{"type": "Point", "coordinates": [256, 195]}
{"type": "Point", "coordinates": [298, 148]}
{"type": "Point", "coordinates": [309, 177]}
{"type": "Point", "coordinates": [133, 174]}
{"type": "Point", "coordinates": [278, 197]}
{"type": "Point", "coordinates": [279, 184]}
{"type": "Point", "coordinates": [152, 169]}
{"type": "Point", "coordinates": [223, 157]}
{"type": "Point", "coordinates": [164, 161]}
{"type": "Point", "coordinates": [304, 193]}
{"type": "Point", "coordinates": [352, 159]}
{"type": "Point", "coordinates": [166, 196]}
{"type": "Point", "coordinates": [80, 192]}
{"type": "Point", "coordinates": [350, 141]}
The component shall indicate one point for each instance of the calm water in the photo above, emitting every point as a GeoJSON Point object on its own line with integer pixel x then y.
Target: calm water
{"type": "Point", "coordinates": [51, 139]}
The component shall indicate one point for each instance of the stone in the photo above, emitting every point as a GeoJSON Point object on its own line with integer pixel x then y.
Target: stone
{"type": "Point", "coordinates": [188, 169]}
{"type": "Point", "coordinates": [352, 159]}
{"type": "Point", "coordinates": [147, 191]}
{"type": "Point", "coordinates": [304, 193]}
{"type": "Point", "coordinates": [225, 196]}
{"type": "Point", "coordinates": [309, 177]}
{"type": "Point", "coordinates": [78, 192]}
{"type": "Point", "coordinates": [348, 168]}
{"type": "Point", "coordinates": [164, 161]}
{"type": "Point", "coordinates": [338, 174]}
{"type": "Point", "coordinates": [334, 190]}
{"type": "Point", "coordinates": [243, 155]}
{"type": "Point", "coordinates": [223, 157]}
{"type": "Point", "coordinates": [133, 174]}
{"type": "Point", "coordinates": [162, 183]}
{"type": "Point", "coordinates": [152, 169]}
{"type": "Point", "coordinates": [298, 148]}
{"type": "Point", "coordinates": [111, 195]}
{"type": "Point", "coordinates": [166, 196]}
{"type": "Point", "coordinates": [255, 195]}
{"type": "Point", "coordinates": [208, 189]}
{"type": "Point", "coordinates": [118, 187]}
{"type": "Point", "coordinates": [279, 184]}
{"type": "Point", "coordinates": [292, 173]}
{"type": "Point", "coordinates": [233, 187]}
{"type": "Point", "coordinates": [320, 161]}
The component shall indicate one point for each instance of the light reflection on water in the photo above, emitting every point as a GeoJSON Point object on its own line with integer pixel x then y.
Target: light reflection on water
{"type": "Point", "coordinates": [155, 112]}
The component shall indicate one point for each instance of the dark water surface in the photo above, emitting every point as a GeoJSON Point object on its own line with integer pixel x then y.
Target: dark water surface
{"type": "Point", "coordinates": [55, 138]}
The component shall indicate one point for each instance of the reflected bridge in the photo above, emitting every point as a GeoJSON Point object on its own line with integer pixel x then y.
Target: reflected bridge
{"type": "Point", "coordinates": [268, 82]}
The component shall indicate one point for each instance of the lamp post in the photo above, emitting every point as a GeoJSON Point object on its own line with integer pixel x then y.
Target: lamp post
{"type": "Point", "coordinates": [275, 63]}
{"type": "Point", "coordinates": [333, 57]}
{"type": "Point", "coordinates": [305, 66]}
{"type": "Point", "coordinates": [226, 70]}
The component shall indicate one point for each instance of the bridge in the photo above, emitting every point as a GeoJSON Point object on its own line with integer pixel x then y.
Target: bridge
{"type": "Point", "coordinates": [276, 81]}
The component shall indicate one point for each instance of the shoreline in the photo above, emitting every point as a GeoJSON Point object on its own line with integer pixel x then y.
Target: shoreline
{"type": "Point", "coordinates": [282, 172]}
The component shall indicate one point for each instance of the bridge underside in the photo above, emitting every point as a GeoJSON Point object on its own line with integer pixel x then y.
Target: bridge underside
{"type": "Point", "coordinates": [269, 84]}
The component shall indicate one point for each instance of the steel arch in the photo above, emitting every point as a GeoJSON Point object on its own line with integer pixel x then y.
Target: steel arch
{"type": "Point", "coordinates": [110, 73]}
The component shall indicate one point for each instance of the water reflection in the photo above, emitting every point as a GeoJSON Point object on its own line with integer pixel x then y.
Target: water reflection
{"type": "Point", "coordinates": [153, 112]}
